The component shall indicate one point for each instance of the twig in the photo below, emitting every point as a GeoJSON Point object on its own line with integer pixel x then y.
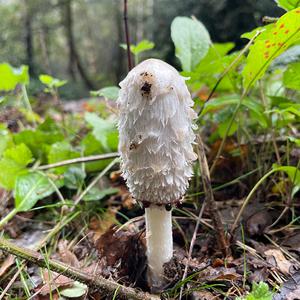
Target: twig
{"type": "Point", "coordinates": [210, 201]}
{"type": "Point", "coordinates": [13, 279]}
{"type": "Point", "coordinates": [98, 282]}
{"type": "Point", "coordinates": [79, 160]}
{"type": "Point", "coordinates": [95, 180]}
{"type": "Point", "coordinates": [125, 16]}
{"type": "Point", "coordinates": [267, 19]}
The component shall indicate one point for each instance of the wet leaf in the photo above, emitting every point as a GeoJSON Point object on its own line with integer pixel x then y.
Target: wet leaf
{"type": "Point", "coordinates": [77, 290]}
{"type": "Point", "coordinates": [275, 40]}
{"type": "Point", "coordinates": [30, 188]}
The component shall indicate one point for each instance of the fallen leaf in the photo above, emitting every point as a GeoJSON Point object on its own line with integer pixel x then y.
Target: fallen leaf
{"type": "Point", "coordinates": [66, 255]}
{"type": "Point", "coordinates": [290, 289]}
{"type": "Point", "coordinates": [52, 281]}
{"type": "Point", "coordinates": [276, 258]}
{"type": "Point", "coordinates": [9, 261]}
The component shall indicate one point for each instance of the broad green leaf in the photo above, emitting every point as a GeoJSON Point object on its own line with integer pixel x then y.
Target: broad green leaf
{"type": "Point", "coordinates": [142, 46]}
{"type": "Point", "coordinates": [191, 40]}
{"type": "Point", "coordinates": [38, 141]}
{"type": "Point", "coordinates": [10, 170]}
{"type": "Point", "coordinates": [21, 154]}
{"type": "Point", "coordinates": [288, 4]}
{"type": "Point", "coordinates": [291, 77]}
{"type": "Point", "coordinates": [61, 151]}
{"type": "Point", "coordinates": [292, 172]}
{"type": "Point", "coordinates": [10, 77]}
{"type": "Point", "coordinates": [77, 290]}
{"type": "Point", "coordinates": [109, 92]}
{"type": "Point", "coordinates": [226, 101]}
{"type": "Point", "coordinates": [74, 177]}
{"type": "Point", "coordinates": [5, 139]}
{"type": "Point", "coordinates": [29, 188]}
{"type": "Point", "coordinates": [284, 33]}
{"type": "Point", "coordinates": [51, 82]}
{"type": "Point", "coordinates": [210, 68]}
{"type": "Point", "coordinates": [101, 128]}
{"type": "Point", "coordinates": [222, 128]}
{"type": "Point", "coordinates": [96, 194]}
{"type": "Point", "coordinates": [91, 146]}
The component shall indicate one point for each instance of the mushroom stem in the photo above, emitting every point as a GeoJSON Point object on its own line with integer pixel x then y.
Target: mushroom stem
{"type": "Point", "coordinates": [159, 243]}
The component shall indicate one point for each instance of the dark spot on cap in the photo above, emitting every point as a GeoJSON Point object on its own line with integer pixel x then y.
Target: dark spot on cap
{"type": "Point", "coordinates": [146, 88]}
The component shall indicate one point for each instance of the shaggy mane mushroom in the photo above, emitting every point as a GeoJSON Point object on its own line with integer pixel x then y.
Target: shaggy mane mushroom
{"type": "Point", "coordinates": [156, 138]}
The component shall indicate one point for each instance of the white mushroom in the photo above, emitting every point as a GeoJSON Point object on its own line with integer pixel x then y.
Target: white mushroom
{"type": "Point", "coordinates": [156, 137]}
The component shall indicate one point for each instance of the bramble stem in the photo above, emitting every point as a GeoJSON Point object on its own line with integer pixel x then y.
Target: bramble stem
{"type": "Point", "coordinates": [104, 285]}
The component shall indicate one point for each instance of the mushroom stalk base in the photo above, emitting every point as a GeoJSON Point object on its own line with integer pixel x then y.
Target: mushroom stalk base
{"type": "Point", "coordinates": [159, 243]}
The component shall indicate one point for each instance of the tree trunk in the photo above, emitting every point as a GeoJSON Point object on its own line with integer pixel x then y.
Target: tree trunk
{"type": "Point", "coordinates": [29, 38]}
{"type": "Point", "coordinates": [74, 59]}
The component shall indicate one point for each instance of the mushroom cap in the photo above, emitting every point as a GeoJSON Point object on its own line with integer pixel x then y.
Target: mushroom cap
{"type": "Point", "coordinates": [156, 132]}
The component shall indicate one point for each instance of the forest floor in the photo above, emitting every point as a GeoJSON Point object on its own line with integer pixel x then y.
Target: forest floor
{"type": "Point", "coordinates": [104, 234]}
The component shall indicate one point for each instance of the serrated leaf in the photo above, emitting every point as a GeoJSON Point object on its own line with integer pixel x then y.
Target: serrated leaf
{"type": "Point", "coordinates": [21, 154]}
{"type": "Point", "coordinates": [260, 291]}
{"type": "Point", "coordinates": [10, 77]}
{"type": "Point", "coordinates": [12, 171]}
{"type": "Point", "coordinates": [29, 188]}
{"type": "Point", "coordinates": [291, 77]}
{"type": "Point", "coordinates": [109, 92]}
{"type": "Point", "coordinates": [38, 141]}
{"type": "Point", "coordinates": [142, 46]}
{"type": "Point", "coordinates": [284, 33]}
{"type": "Point", "coordinates": [191, 40]}
{"type": "Point", "coordinates": [51, 81]}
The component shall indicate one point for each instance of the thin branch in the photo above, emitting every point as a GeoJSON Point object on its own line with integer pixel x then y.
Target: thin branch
{"type": "Point", "coordinates": [210, 201]}
{"type": "Point", "coordinates": [95, 180]}
{"type": "Point", "coordinates": [79, 160]}
{"type": "Point", "coordinates": [125, 16]}
{"type": "Point", "coordinates": [104, 285]}
{"type": "Point", "coordinates": [268, 20]}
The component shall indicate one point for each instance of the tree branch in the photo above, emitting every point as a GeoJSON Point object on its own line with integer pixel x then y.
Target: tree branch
{"type": "Point", "coordinates": [98, 282]}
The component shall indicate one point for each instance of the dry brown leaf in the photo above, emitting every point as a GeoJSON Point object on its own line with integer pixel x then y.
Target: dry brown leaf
{"type": "Point", "coordinates": [53, 281]}
{"type": "Point", "coordinates": [66, 255]}
{"type": "Point", "coordinates": [276, 258]}
{"type": "Point", "coordinates": [9, 261]}
{"type": "Point", "coordinates": [204, 295]}
{"type": "Point", "coordinates": [100, 225]}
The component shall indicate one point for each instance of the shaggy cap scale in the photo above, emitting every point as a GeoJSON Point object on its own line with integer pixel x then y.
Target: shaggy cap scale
{"type": "Point", "coordinates": [156, 133]}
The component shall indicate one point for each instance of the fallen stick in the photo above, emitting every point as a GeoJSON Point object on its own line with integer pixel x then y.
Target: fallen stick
{"type": "Point", "coordinates": [95, 281]}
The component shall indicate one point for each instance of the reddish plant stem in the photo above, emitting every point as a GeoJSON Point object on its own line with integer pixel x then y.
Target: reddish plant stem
{"type": "Point", "coordinates": [125, 16]}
